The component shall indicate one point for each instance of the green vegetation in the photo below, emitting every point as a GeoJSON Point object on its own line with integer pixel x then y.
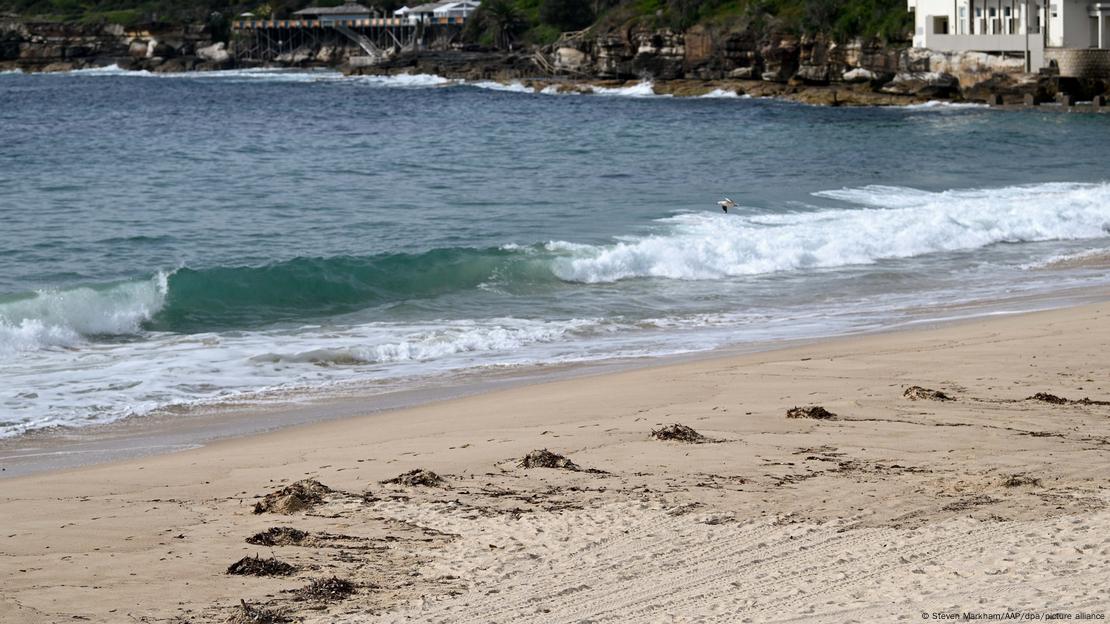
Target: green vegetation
{"type": "Point", "coordinates": [502, 23]}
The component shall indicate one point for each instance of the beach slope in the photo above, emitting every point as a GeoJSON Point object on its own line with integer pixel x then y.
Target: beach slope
{"type": "Point", "coordinates": [959, 468]}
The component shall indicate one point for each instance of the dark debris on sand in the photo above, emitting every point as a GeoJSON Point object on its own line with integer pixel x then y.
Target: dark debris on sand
{"type": "Point", "coordinates": [679, 433]}
{"type": "Point", "coordinates": [970, 502]}
{"type": "Point", "coordinates": [256, 566]}
{"type": "Point", "coordinates": [1020, 480]}
{"type": "Point", "coordinates": [543, 458]}
{"type": "Point", "coordinates": [418, 478]}
{"type": "Point", "coordinates": [250, 614]}
{"type": "Point", "coordinates": [331, 589]}
{"type": "Point", "coordinates": [293, 498]}
{"type": "Point", "coordinates": [1045, 397]}
{"type": "Point", "coordinates": [279, 536]}
{"type": "Point", "coordinates": [917, 393]}
{"type": "Point", "coordinates": [810, 411]}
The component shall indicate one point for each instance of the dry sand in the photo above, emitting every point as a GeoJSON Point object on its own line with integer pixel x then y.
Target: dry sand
{"type": "Point", "coordinates": [890, 509]}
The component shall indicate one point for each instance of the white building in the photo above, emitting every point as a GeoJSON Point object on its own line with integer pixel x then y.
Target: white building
{"type": "Point", "coordinates": [456, 10]}
{"type": "Point", "coordinates": [1014, 27]}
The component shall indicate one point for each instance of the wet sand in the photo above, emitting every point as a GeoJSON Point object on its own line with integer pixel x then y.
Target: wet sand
{"type": "Point", "coordinates": [892, 507]}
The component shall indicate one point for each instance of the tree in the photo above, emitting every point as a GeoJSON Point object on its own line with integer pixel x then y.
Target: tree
{"type": "Point", "coordinates": [499, 20]}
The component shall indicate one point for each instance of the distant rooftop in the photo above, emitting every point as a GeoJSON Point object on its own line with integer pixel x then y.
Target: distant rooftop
{"type": "Point", "coordinates": [429, 7]}
{"type": "Point", "coordinates": [351, 8]}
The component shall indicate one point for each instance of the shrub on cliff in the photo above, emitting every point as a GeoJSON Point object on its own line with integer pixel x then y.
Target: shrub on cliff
{"type": "Point", "coordinates": [567, 14]}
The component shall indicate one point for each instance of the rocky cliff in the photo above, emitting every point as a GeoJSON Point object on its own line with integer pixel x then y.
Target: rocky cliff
{"type": "Point", "coordinates": [54, 46]}
{"type": "Point", "coordinates": [859, 70]}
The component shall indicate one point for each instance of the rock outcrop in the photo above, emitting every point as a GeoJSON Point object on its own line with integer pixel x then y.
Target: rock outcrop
{"type": "Point", "coordinates": [62, 46]}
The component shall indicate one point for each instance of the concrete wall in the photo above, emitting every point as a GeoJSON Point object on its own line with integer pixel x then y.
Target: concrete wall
{"type": "Point", "coordinates": [1071, 28]}
{"type": "Point", "coordinates": [1080, 62]}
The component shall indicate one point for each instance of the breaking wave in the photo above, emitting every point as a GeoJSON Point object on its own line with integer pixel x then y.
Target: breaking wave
{"type": "Point", "coordinates": [879, 223]}
{"type": "Point", "coordinates": [62, 318]}
{"type": "Point", "coordinates": [894, 223]}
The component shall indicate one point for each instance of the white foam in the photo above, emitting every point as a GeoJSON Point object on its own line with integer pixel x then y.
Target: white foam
{"type": "Point", "coordinates": [725, 93]}
{"type": "Point", "coordinates": [641, 89]}
{"type": "Point", "coordinates": [511, 87]}
{"type": "Point", "coordinates": [108, 70]}
{"type": "Point", "coordinates": [887, 223]}
{"type": "Point", "coordinates": [940, 104]}
{"type": "Point", "coordinates": [65, 317]}
{"type": "Point", "coordinates": [380, 344]}
{"type": "Point", "coordinates": [406, 80]}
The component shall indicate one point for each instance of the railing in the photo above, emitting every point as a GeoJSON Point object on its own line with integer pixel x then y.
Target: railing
{"type": "Point", "coordinates": [375, 22]}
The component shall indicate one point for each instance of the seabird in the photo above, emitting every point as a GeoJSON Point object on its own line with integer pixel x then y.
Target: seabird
{"type": "Point", "coordinates": [726, 203]}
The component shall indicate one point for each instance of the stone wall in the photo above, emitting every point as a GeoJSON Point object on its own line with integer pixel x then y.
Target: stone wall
{"type": "Point", "coordinates": [1080, 62]}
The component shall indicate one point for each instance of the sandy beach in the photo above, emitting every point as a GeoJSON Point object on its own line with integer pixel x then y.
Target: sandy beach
{"type": "Point", "coordinates": [966, 495]}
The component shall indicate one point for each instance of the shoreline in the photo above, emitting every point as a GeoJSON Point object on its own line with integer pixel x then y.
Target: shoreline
{"type": "Point", "coordinates": [846, 94]}
{"type": "Point", "coordinates": [181, 428]}
{"type": "Point", "coordinates": [909, 490]}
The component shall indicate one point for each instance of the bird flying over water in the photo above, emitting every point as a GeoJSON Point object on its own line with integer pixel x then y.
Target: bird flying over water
{"type": "Point", "coordinates": [726, 203]}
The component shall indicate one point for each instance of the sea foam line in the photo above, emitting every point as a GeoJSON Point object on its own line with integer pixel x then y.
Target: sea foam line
{"type": "Point", "coordinates": [885, 223]}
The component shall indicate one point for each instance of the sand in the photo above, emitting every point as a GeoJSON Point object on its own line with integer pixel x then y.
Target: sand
{"type": "Point", "coordinates": [891, 508]}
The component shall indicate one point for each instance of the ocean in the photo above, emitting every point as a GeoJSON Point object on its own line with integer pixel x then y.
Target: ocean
{"type": "Point", "coordinates": [174, 242]}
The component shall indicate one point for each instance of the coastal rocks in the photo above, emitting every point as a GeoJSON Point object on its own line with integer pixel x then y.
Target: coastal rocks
{"type": "Point", "coordinates": [659, 54]}
{"type": "Point", "coordinates": [780, 59]}
{"type": "Point", "coordinates": [454, 64]}
{"type": "Point", "coordinates": [300, 56]}
{"type": "Point", "coordinates": [570, 59]}
{"type": "Point", "coordinates": [966, 67]}
{"type": "Point", "coordinates": [813, 74]}
{"type": "Point", "coordinates": [859, 74]}
{"type": "Point", "coordinates": [139, 49]}
{"type": "Point", "coordinates": [1014, 89]}
{"type": "Point", "coordinates": [925, 85]}
{"type": "Point", "coordinates": [64, 46]}
{"type": "Point", "coordinates": [215, 53]}
{"type": "Point", "coordinates": [612, 57]}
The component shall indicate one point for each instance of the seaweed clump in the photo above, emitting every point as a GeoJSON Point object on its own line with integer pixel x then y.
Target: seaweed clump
{"type": "Point", "coordinates": [679, 433]}
{"type": "Point", "coordinates": [293, 498]}
{"type": "Point", "coordinates": [544, 458]}
{"type": "Point", "coordinates": [815, 412]}
{"type": "Point", "coordinates": [279, 536]}
{"type": "Point", "coordinates": [418, 478]}
{"type": "Point", "coordinates": [256, 566]}
{"type": "Point", "coordinates": [917, 393]}
{"type": "Point", "coordinates": [328, 590]}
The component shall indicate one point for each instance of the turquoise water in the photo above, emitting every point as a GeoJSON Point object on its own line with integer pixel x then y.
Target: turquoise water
{"type": "Point", "coordinates": [263, 235]}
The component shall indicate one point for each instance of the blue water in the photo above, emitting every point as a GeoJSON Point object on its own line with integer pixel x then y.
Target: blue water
{"type": "Point", "coordinates": [251, 235]}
